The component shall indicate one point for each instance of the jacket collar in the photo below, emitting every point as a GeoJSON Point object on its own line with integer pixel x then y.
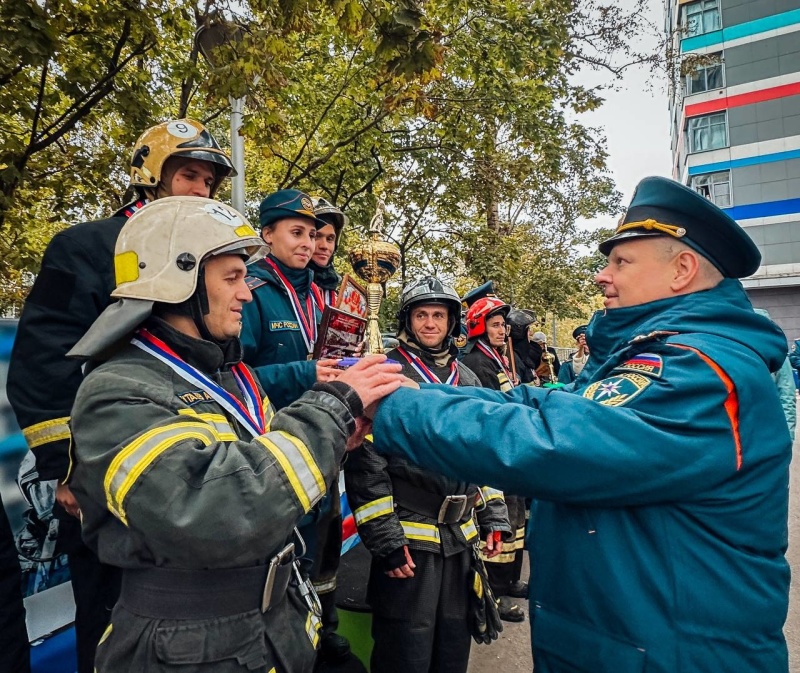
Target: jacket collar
{"type": "Point", "coordinates": [204, 355]}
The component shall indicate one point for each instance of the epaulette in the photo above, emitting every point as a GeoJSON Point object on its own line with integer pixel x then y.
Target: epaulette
{"type": "Point", "coordinates": [253, 282]}
{"type": "Point", "coordinates": [652, 336]}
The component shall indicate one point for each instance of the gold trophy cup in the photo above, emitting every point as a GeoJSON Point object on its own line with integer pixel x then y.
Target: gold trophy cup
{"type": "Point", "coordinates": [374, 261]}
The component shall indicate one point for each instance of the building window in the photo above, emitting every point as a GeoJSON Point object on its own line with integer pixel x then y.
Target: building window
{"type": "Point", "coordinates": [701, 17]}
{"type": "Point", "coordinates": [716, 187]}
{"type": "Point", "coordinates": [705, 74]}
{"type": "Point", "coordinates": [709, 132]}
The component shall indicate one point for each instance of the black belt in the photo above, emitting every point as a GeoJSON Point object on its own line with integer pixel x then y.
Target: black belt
{"type": "Point", "coordinates": [447, 509]}
{"type": "Point", "coordinates": [168, 593]}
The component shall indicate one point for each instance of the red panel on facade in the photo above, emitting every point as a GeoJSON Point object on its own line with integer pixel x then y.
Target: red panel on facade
{"type": "Point", "coordinates": [725, 102]}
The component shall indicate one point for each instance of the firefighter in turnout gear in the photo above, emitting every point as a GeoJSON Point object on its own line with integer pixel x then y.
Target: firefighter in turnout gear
{"type": "Point", "coordinates": [179, 157]}
{"type": "Point", "coordinates": [420, 527]}
{"type": "Point", "coordinates": [326, 279]}
{"type": "Point", "coordinates": [186, 477]}
{"type": "Point", "coordinates": [487, 333]}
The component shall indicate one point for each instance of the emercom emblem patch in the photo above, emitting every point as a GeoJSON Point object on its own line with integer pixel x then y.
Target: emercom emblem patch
{"type": "Point", "coordinates": [617, 391]}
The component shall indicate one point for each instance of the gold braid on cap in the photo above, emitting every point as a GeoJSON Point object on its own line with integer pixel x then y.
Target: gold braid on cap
{"type": "Point", "coordinates": [650, 225]}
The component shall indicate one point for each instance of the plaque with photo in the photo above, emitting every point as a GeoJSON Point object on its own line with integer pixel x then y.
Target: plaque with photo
{"type": "Point", "coordinates": [340, 334]}
{"type": "Point", "coordinates": [352, 297]}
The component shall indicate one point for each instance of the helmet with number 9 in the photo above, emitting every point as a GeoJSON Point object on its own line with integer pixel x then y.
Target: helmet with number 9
{"type": "Point", "coordinates": [185, 138]}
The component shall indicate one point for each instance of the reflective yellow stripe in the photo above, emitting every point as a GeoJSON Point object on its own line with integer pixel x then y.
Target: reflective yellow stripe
{"type": "Point", "coordinates": [424, 532]}
{"type": "Point", "coordinates": [46, 432]}
{"type": "Point", "coordinates": [313, 625]}
{"type": "Point", "coordinates": [298, 465]}
{"type": "Point", "coordinates": [269, 411]}
{"type": "Point", "coordinates": [504, 557]}
{"type": "Point", "coordinates": [469, 530]}
{"type": "Point", "coordinates": [491, 494]}
{"type": "Point", "coordinates": [106, 634]}
{"type": "Point", "coordinates": [374, 509]}
{"type": "Point", "coordinates": [477, 586]}
{"type": "Point", "coordinates": [220, 424]}
{"type": "Point", "coordinates": [134, 458]}
{"type": "Point", "coordinates": [325, 587]}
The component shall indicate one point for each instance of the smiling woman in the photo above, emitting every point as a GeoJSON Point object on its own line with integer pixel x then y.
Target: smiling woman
{"type": "Point", "coordinates": [280, 324]}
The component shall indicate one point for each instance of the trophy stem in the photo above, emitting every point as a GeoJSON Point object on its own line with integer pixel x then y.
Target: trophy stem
{"type": "Point", "coordinates": [374, 340]}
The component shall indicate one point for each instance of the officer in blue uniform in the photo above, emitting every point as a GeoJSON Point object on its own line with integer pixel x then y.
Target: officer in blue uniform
{"type": "Point", "coordinates": [661, 477]}
{"type": "Point", "coordinates": [279, 325]}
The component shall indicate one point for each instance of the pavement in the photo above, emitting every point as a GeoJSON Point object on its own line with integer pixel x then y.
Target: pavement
{"type": "Point", "coordinates": [511, 652]}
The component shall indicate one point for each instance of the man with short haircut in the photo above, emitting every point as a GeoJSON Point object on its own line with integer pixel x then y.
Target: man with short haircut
{"type": "Point", "coordinates": [187, 478]}
{"type": "Point", "coordinates": [660, 528]}
{"type": "Point", "coordinates": [418, 525]}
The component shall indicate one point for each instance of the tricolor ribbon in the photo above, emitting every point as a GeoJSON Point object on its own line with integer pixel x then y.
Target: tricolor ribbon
{"type": "Point", "coordinates": [322, 297]}
{"type": "Point", "coordinates": [307, 319]}
{"type": "Point", "coordinates": [250, 414]}
{"type": "Point", "coordinates": [421, 369]}
{"type": "Point", "coordinates": [491, 353]}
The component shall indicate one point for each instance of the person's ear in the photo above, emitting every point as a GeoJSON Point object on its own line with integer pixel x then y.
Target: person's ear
{"type": "Point", "coordinates": [686, 267]}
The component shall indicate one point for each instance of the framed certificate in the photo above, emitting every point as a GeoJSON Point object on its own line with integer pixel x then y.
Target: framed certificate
{"type": "Point", "coordinates": [352, 297]}
{"type": "Point", "coordinates": [340, 334]}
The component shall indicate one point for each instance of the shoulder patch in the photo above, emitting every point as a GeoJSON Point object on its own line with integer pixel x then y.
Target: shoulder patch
{"type": "Point", "coordinates": [616, 391]}
{"type": "Point", "coordinates": [643, 363]}
{"type": "Point", "coordinates": [254, 283]}
{"type": "Point", "coordinates": [195, 397]}
{"type": "Point", "coordinates": [283, 325]}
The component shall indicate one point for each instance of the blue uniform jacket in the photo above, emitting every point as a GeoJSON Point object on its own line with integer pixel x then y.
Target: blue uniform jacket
{"type": "Point", "coordinates": [271, 339]}
{"type": "Point", "coordinates": [657, 544]}
{"type": "Point", "coordinates": [794, 355]}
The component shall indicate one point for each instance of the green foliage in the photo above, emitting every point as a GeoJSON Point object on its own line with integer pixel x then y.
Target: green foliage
{"type": "Point", "coordinates": [459, 113]}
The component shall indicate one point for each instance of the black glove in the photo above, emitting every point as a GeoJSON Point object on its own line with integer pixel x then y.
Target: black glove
{"type": "Point", "coordinates": [484, 619]}
{"type": "Point", "coordinates": [393, 560]}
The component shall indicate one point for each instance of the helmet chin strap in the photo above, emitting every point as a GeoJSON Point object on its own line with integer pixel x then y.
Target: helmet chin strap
{"type": "Point", "coordinates": [198, 307]}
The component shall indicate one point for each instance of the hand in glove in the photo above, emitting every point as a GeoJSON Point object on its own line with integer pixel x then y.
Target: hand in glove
{"type": "Point", "coordinates": [398, 563]}
{"type": "Point", "coordinates": [484, 620]}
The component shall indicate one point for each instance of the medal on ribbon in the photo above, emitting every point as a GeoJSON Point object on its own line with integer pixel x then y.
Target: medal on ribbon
{"type": "Point", "coordinates": [306, 319]}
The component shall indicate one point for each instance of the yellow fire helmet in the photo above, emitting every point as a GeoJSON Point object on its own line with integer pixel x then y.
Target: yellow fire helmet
{"type": "Point", "coordinates": [158, 257]}
{"type": "Point", "coordinates": [176, 138]}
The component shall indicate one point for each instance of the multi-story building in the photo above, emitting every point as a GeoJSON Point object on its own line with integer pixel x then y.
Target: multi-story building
{"type": "Point", "coordinates": [735, 114]}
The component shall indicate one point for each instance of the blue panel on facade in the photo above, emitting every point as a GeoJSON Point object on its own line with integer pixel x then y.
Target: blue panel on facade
{"type": "Point", "coordinates": [747, 161]}
{"type": "Point", "coordinates": [741, 30]}
{"type": "Point", "coordinates": [769, 209]}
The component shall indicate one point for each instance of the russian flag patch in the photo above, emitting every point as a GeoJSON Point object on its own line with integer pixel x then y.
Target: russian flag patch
{"type": "Point", "coordinates": [643, 363]}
